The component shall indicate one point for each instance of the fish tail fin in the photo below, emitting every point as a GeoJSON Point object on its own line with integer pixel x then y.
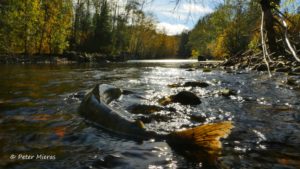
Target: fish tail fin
{"type": "Point", "coordinates": [206, 137]}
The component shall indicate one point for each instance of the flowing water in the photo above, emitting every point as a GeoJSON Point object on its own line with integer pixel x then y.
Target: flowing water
{"type": "Point", "coordinates": [38, 116]}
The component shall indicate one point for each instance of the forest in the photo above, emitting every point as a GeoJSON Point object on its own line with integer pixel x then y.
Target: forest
{"type": "Point", "coordinates": [93, 26]}
{"type": "Point", "coordinates": [235, 27]}
{"type": "Point", "coordinates": [35, 27]}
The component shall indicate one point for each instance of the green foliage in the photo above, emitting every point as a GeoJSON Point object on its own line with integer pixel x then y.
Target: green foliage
{"type": "Point", "coordinates": [227, 30]}
{"type": "Point", "coordinates": [184, 48]}
{"type": "Point", "coordinates": [195, 53]}
{"type": "Point", "coordinates": [48, 27]}
{"type": "Point", "coordinates": [131, 32]}
{"type": "Point", "coordinates": [103, 30]}
{"type": "Point", "coordinates": [31, 26]}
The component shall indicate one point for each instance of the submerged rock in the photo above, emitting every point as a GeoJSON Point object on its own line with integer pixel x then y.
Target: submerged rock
{"type": "Point", "coordinates": [183, 97]}
{"type": "Point", "coordinates": [144, 109]}
{"type": "Point", "coordinates": [190, 69]}
{"type": "Point", "coordinates": [186, 98]}
{"type": "Point", "coordinates": [174, 85]}
{"type": "Point", "coordinates": [147, 109]}
{"type": "Point", "coordinates": [296, 69]}
{"type": "Point", "coordinates": [154, 117]}
{"type": "Point", "coordinates": [190, 84]}
{"type": "Point", "coordinates": [283, 69]}
{"type": "Point", "coordinates": [196, 84]}
{"type": "Point", "coordinates": [198, 118]}
{"type": "Point", "coordinates": [227, 92]}
{"type": "Point", "coordinates": [261, 67]}
{"type": "Point", "coordinates": [292, 81]}
{"type": "Point", "coordinates": [206, 69]}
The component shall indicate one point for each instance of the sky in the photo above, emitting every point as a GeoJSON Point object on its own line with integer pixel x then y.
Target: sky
{"type": "Point", "coordinates": [173, 19]}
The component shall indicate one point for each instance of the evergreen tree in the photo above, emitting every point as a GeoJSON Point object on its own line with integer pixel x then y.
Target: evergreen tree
{"type": "Point", "coordinates": [103, 29]}
{"type": "Point", "coordinates": [184, 50]}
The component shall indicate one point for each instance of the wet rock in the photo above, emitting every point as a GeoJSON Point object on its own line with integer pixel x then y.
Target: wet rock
{"type": "Point", "coordinates": [186, 66]}
{"type": "Point", "coordinates": [227, 92]}
{"type": "Point", "coordinates": [186, 98]}
{"type": "Point", "coordinates": [165, 101]}
{"type": "Point", "coordinates": [127, 92]}
{"type": "Point", "coordinates": [261, 67]}
{"type": "Point", "coordinates": [190, 84]}
{"type": "Point", "coordinates": [254, 59]}
{"type": "Point", "coordinates": [144, 109]}
{"type": "Point", "coordinates": [183, 97]}
{"type": "Point", "coordinates": [228, 70]}
{"type": "Point", "coordinates": [196, 84]}
{"type": "Point", "coordinates": [190, 70]}
{"type": "Point", "coordinates": [296, 64]}
{"type": "Point", "coordinates": [242, 65]}
{"type": "Point", "coordinates": [283, 69]}
{"type": "Point", "coordinates": [206, 69]}
{"type": "Point", "coordinates": [154, 117]}
{"type": "Point", "coordinates": [145, 119]}
{"type": "Point", "coordinates": [280, 65]}
{"type": "Point", "coordinates": [110, 161]}
{"type": "Point", "coordinates": [293, 82]}
{"type": "Point", "coordinates": [293, 73]}
{"type": "Point", "coordinates": [198, 118]}
{"type": "Point", "coordinates": [296, 69]}
{"type": "Point", "coordinates": [174, 85]}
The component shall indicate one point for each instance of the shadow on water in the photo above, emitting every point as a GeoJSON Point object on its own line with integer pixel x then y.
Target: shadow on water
{"type": "Point", "coordinates": [38, 115]}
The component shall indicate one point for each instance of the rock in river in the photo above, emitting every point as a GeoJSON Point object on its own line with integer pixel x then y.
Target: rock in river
{"type": "Point", "coordinates": [190, 84]}
{"type": "Point", "coordinates": [183, 97]}
{"type": "Point", "coordinates": [227, 92]}
{"type": "Point", "coordinates": [147, 109]}
{"type": "Point", "coordinates": [297, 69]}
{"type": "Point", "coordinates": [196, 84]}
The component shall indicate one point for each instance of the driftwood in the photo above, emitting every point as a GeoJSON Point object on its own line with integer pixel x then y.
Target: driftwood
{"type": "Point", "coordinates": [264, 46]}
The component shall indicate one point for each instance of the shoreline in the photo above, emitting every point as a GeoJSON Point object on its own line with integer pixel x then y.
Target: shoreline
{"type": "Point", "coordinates": [248, 62]}
{"type": "Point", "coordinates": [65, 58]}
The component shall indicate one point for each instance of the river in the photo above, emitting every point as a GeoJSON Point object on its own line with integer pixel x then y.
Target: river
{"type": "Point", "coordinates": [38, 116]}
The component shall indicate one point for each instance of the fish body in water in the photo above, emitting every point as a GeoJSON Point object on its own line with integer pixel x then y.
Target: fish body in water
{"type": "Point", "coordinates": [95, 107]}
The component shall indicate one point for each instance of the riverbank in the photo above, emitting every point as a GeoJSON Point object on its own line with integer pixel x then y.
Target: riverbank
{"type": "Point", "coordinates": [65, 58]}
{"type": "Point", "coordinates": [252, 61]}
{"type": "Point", "coordinates": [244, 61]}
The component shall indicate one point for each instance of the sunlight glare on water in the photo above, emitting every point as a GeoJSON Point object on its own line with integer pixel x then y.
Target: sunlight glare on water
{"type": "Point", "coordinates": [164, 61]}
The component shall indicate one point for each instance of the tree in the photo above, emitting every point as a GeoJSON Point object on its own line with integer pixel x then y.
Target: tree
{"type": "Point", "coordinates": [184, 49]}
{"type": "Point", "coordinates": [267, 6]}
{"type": "Point", "coordinates": [103, 29]}
{"type": "Point", "coordinates": [34, 26]}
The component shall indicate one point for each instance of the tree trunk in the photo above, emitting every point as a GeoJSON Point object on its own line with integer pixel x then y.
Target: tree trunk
{"type": "Point", "coordinates": [269, 25]}
{"type": "Point", "coordinates": [25, 29]}
{"type": "Point", "coordinates": [43, 29]}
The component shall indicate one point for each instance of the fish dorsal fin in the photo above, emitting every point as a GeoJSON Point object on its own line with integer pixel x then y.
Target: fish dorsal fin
{"type": "Point", "coordinates": [140, 124]}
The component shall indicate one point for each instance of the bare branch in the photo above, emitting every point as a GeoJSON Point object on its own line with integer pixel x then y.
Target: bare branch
{"type": "Point", "coordinates": [264, 46]}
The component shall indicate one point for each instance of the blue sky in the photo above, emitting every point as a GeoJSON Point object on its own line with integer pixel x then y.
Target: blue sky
{"type": "Point", "coordinates": [174, 19]}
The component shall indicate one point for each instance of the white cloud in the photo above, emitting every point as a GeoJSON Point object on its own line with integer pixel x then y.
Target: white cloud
{"type": "Point", "coordinates": [174, 19]}
{"type": "Point", "coordinates": [182, 11]}
{"type": "Point", "coordinates": [171, 29]}
{"type": "Point", "coordinates": [195, 9]}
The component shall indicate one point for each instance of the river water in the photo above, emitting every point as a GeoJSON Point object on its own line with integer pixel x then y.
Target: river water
{"type": "Point", "coordinates": [38, 116]}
